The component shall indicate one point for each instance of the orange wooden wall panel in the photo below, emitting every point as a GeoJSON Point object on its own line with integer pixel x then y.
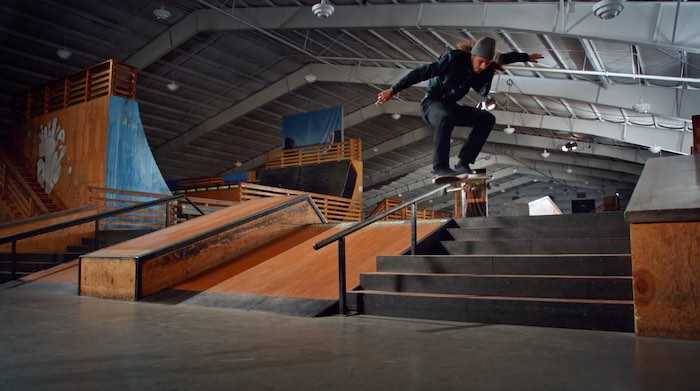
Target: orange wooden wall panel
{"type": "Point", "coordinates": [666, 276]}
{"type": "Point", "coordinates": [83, 165]}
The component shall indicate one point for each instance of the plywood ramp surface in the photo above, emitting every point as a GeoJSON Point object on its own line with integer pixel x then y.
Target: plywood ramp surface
{"type": "Point", "coordinates": [177, 233]}
{"type": "Point", "coordinates": [290, 267]}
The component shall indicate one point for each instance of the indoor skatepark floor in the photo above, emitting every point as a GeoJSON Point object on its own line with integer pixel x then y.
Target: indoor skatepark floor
{"type": "Point", "coordinates": [52, 339]}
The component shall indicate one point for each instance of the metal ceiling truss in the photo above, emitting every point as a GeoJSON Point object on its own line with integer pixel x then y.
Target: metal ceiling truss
{"type": "Point", "coordinates": [632, 26]}
{"type": "Point", "coordinates": [422, 177]}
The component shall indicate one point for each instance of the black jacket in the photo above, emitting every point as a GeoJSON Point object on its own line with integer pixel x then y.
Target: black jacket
{"type": "Point", "coordinates": [451, 76]}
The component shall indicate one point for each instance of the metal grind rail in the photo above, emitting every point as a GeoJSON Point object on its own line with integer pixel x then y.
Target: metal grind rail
{"type": "Point", "coordinates": [340, 237]}
{"type": "Point", "coordinates": [87, 219]}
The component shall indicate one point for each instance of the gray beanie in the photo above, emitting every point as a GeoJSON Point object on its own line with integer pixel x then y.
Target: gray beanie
{"type": "Point", "coordinates": [485, 47]}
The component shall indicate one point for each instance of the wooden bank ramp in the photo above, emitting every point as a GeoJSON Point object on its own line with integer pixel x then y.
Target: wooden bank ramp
{"type": "Point", "coordinates": [289, 276]}
{"type": "Point", "coordinates": [151, 263]}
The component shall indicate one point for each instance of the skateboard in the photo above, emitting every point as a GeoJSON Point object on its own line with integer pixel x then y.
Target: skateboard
{"type": "Point", "coordinates": [444, 179]}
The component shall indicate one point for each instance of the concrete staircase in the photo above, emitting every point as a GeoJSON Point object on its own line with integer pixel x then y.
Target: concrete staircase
{"type": "Point", "coordinates": [570, 271]}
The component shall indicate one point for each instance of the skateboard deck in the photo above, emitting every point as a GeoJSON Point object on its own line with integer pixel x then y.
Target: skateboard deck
{"type": "Point", "coordinates": [443, 179]}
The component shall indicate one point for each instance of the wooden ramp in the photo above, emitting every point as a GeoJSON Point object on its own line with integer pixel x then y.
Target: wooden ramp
{"type": "Point", "coordinates": [148, 264]}
{"type": "Point", "coordinates": [289, 276]}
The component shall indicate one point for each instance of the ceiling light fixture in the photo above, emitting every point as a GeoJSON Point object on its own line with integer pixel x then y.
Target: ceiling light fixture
{"type": "Point", "coordinates": [310, 78]}
{"type": "Point", "coordinates": [63, 53]}
{"type": "Point", "coordinates": [569, 170]}
{"type": "Point", "coordinates": [509, 130]}
{"type": "Point", "coordinates": [655, 149]}
{"type": "Point", "coordinates": [545, 154]}
{"type": "Point", "coordinates": [172, 86]}
{"type": "Point", "coordinates": [162, 13]}
{"type": "Point", "coordinates": [642, 107]}
{"type": "Point", "coordinates": [238, 163]}
{"type": "Point", "coordinates": [608, 9]}
{"type": "Point", "coordinates": [323, 9]}
{"type": "Point", "coordinates": [396, 116]}
{"type": "Point", "coordinates": [570, 146]}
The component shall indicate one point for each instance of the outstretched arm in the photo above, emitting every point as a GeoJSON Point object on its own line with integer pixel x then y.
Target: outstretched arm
{"type": "Point", "coordinates": [504, 59]}
{"type": "Point", "coordinates": [417, 75]}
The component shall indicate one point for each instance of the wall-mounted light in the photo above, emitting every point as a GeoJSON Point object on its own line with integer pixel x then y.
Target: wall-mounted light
{"type": "Point", "coordinates": [396, 116]}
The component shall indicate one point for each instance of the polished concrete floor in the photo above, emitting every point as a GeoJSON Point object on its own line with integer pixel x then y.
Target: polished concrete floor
{"type": "Point", "coordinates": [51, 339]}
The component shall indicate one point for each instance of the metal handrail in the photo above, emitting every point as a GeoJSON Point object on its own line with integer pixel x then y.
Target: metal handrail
{"type": "Point", "coordinates": [87, 219]}
{"type": "Point", "coordinates": [340, 237]}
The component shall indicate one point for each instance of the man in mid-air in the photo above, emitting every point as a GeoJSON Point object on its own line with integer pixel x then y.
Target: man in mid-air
{"type": "Point", "coordinates": [451, 77]}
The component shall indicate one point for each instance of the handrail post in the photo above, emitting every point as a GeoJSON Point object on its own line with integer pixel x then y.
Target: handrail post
{"type": "Point", "coordinates": [14, 259]}
{"type": "Point", "coordinates": [95, 244]}
{"type": "Point", "coordinates": [167, 214]}
{"type": "Point", "coordinates": [414, 228]}
{"type": "Point", "coordinates": [341, 276]}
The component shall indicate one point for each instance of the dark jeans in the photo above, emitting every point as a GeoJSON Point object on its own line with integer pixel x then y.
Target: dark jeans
{"type": "Point", "coordinates": [443, 117]}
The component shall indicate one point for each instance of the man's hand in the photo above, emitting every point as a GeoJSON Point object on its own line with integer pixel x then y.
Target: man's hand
{"type": "Point", "coordinates": [533, 57]}
{"type": "Point", "coordinates": [384, 96]}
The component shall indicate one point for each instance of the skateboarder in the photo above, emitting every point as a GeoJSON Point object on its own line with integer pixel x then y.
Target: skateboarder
{"type": "Point", "coordinates": [450, 77]}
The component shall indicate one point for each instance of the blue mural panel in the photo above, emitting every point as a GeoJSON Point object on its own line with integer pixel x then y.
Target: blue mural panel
{"type": "Point", "coordinates": [130, 162]}
{"type": "Point", "coordinates": [316, 127]}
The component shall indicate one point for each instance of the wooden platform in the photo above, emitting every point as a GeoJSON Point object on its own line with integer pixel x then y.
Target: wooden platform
{"type": "Point", "coordinates": [145, 265]}
{"type": "Point", "coordinates": [291, 268]}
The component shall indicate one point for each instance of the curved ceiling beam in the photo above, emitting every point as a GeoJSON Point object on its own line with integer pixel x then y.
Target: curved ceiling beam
{"type": "Point", "coordinates": [422, 177]}
{"type": "Point", "coordinates": [642, 23]}
{"type": "Point", "coordinates": [669, 140]}
{"type": "Point", "coordinates": [662, 100]}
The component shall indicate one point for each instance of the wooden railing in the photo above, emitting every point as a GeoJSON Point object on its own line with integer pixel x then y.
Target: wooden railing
{"type": "Point", "coordinates": [336, 209]}
{"type": "Point", "coordinates": [155, 217]}
{"type": "Point", "coordinates": [350, 149]}
{"type": "Point", "coordinates": [106, 78]}
{"type": "Point", "coordinates": [18, 197]}
{"type": "Point", "coordinates": [184, 210]}
{"type": "Point", "coordinates": [405, 213]}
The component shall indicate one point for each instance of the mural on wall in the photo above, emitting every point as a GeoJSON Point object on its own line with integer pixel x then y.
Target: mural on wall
{"type": "Point", "coordinates": [52, 148]}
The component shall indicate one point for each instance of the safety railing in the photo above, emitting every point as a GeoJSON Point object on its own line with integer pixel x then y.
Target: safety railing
{"type": "Point", "coordinates": [95, 218]}
{"type": "Point", "coordinates": [340, 237]}
{"type": "Point", "coordinates": [350, 149]}
{"type": "Point", "coordinates": [16, 194]}
{"type": "Point", "coordinates": [405, 213]}
{"type": "Point", "coordinates": [336, 209]}
{"type": "Point", "coordinates": [107, 78]}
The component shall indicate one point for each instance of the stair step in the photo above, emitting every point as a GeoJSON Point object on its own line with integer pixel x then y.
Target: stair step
{"type": "Point", "coordinates": [581, 265]}
{"type": "Point", "coordinates": [539, 246]}
{"type": "Point", "coordinates": [611, 315]}
{"type": "Point", "coordinates": [549, 223]}
{"type": "Point", "coordinates": [563, 287]}
{"type": "Point", "coordinates": [516, 232]}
